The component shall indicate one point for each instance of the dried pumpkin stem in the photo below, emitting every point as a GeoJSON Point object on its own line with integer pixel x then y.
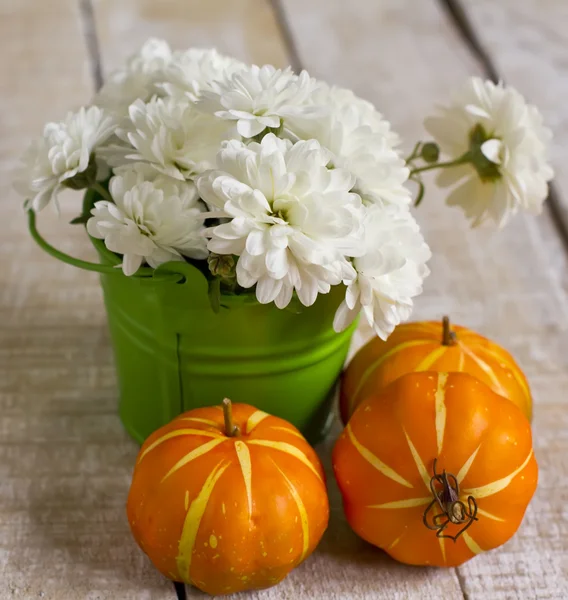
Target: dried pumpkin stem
{"type": "Point", "coordinates": [231, 430]}
{"type": "Point", "coordinates": [450, 509]}
{"type": "Point", "coordinates": [448, 336]}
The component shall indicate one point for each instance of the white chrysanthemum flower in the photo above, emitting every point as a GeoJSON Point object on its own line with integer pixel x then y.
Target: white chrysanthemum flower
{"type": "Point", "coordinates": [293, 220]}
{"type": "Point", "coordinates": [153, 220]}
{"type": "Point", "coordinates": [137, 79]}
{"type": "Point", "coordinates": [507, 166]}
{"type": "Point", "coordinates": [63, 152]}
{"type": "Point", "coordinates": [260, 97]}
{"type": "Point", "coordinates": [171, 135]}
{"type": "Point", "coordinates": [156, 70]}
{"type": "Point", "coordinates": [361, 141]}
{"type": "Point", "coordinates": [191, 72]}
{"type": "Point", "coordinates": [389, 274]}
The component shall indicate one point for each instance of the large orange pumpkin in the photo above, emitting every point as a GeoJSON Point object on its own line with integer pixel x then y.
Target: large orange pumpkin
{"type": "Point", "coordinates": [432, 346]}
{"type": "Point", "coordinates": [436, 469]}
{"type": "Point", "coordinates": [227, 512]}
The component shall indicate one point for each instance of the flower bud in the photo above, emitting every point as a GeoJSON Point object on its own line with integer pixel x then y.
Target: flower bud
{"type": "Point", "coordinates": [222, 265]}
{"type": "Point", "coordinates": [430, 152]}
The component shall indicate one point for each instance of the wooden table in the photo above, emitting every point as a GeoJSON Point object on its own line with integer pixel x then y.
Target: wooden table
{"type": "Point", "coordinates": [65, 461]}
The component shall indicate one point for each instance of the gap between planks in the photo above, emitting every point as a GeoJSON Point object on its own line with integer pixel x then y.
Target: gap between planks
{"type": "Point", "coordinates": [87, 18]}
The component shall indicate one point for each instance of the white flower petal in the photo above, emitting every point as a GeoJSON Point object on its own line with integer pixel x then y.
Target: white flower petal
{"type": "Point", "coordinates": [249, 127]}
{"type": "Point", "coordinates": [267, 289]}
{"type": "Point", "coordinates": [284, 296]}
{"type": "Point", "coordinates": [131, 263]}
{"type": "Point", "coordinates": [492, 150]}
{"type": "Point", "coordinates": [344, 316]}
{"type": "Point", "coordinates": [255, 243]}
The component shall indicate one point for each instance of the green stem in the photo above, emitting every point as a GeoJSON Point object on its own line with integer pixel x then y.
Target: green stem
{"type": "Point", "coordinates": [421, 190]}
{"type": "Point", "coordinates": [102, 191]}
{"type": "Point", "coordinates": [414, 154]}
{"type": "Point", "coordinates": [462, 160]}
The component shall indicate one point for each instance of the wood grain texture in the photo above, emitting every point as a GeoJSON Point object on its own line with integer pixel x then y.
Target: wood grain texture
{"type": "Point", "coordinates": [65, 461]}
{"type": "Point", "coordinates": [246, 29]}
{"type": "Point", "coordinates": [509, 285]}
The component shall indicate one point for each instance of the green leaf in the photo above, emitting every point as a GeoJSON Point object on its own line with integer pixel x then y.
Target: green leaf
{"type": "Point", "coordinates": [80, 220]}
{"type": "Point", "coordinates": [215, 294]}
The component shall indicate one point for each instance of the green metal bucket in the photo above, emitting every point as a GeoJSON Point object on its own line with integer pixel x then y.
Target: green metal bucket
{"type": "Point", "coordinates": [173, 353]}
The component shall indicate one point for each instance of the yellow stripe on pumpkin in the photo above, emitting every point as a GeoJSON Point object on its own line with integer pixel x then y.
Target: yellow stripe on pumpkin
{"type": "Point", "coordinates": [288, 449]}
{"type": "Point", "coordinates": [461, 364]}
{"type": "Point", "coordinates": [485, 368]}
{"type": "Point", "coordinates": [243, 455]}
{"type": "Point", "coordinates": [193, 520]}
{"type": "Point", "coordinates": [374, 461]}
{"type": "Point", "coordinates": [440, 406]}
{"type": "Point", "coordinates": [199, 420]}
{"type": "Point", "coordinates": [489, 515]}
{"type": "Point", "coordinates": [418, 461]}
{"type": "Point", "coordinates": [423, 326]}
{"type": "Point", "coordinates": [288, 430]}
{"type": "Point", "coordinates": [196, 453]}
{"type": "Point", "coordinates": [512, 367]}
{"type": "Point", "coordinates": [467, 465]}
{"type": "Point", "coordinates": [408, 503]}
{"type": "Point", "coordinates": [302, 512]}
{"type": "Point", "coordinates": [377, 363]}
{"type": "Point", "coordinates": [496, 486]}
{"type": "Point", "coordinates": [396, 541]}
{"type": "Point", "coordinates": [426, 363]}
{"type": "Point", "coordinates": [177, 433]}
{"type": "Point", "coordinates": [257, 417]}
{"type": "Point", "coordinates": [471, 543]}
{"type": "Point", "coordinates": [442, 548]}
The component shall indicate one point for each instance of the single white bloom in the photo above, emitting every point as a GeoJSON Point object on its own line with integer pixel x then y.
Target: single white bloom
{"type": "Point", "coordinates": [361, 141]}
{"type": "Point", "coordinates": [508, 144]}
{"type": "Point", "coordinates": [192, 71]}
{"type": "Point", "coordinates": [63, 152]}
{"type": "Point", "coordinates": [389, 274]}
{"type": "Point", "coordinates": [171, 135]}
{"type": "Point", "coordinates": [260, 97]}
{"type": "Point", "coordinates": [152, 220]}
{"type": "Point", "coordinates": [293, 220]}
{"type": "Point", "coordinates": [137, 79]}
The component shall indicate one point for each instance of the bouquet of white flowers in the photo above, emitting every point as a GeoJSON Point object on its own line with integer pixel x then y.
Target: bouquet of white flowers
{"type": "Point", "coordinates": [300, 181]}
{"type": "Point", "coordinates": [277, 184]}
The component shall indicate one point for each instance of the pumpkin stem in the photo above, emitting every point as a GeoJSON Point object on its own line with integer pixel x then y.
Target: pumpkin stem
{"type": "Point", "coordinates": [231, 430]}
{"type": "Point", "coordinates": [448, 336]}
{"type": "Point", "coordinates": [446, 491]}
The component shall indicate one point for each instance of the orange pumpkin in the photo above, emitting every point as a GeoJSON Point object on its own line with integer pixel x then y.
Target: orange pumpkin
{"type": "Point", "coordinates": [227, 503]}
{"type": "Point", "coordinates": [432, 346]}
{"type": "Point", "coordinates": [436, 469]}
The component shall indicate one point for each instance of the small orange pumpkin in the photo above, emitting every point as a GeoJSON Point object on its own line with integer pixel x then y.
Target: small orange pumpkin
{"type": "Point", "coordinates": [436, 469]}
{"type": "Point", "coordinates": [432, 346]}
{"type": "Point", "coordinates": [227, 500]}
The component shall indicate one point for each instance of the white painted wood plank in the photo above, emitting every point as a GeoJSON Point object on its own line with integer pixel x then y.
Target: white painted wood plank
{"type": "Point", "coordinates": [55, 367]}
{"type": "Point", "coordinates": [245, 29]}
